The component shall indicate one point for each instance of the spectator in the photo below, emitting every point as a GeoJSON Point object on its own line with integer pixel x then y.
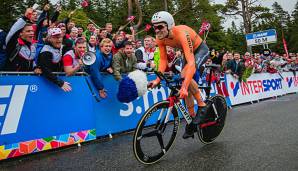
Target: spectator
{"type": "Point", "coordinates": [145, 55]}
{"type": "Point", "coordinates": [257, 64]}
{"type": "Point", "coordinates": [73, 35]}
{"type": "Point", "coordinates": [69, 26]}
{"type": "Point", "coordinates": [14, 33]}
{"type": "Point", "coordinates": [235, 66]}
{"type": "Point", "coordinates": [271, 68]}
{"type": "Point", "coordinates": [124, 61]}
{"type": "Point", "coordinates": [170, 57]}
{"type": "Point", "coordinates": [67, 43]}
{"type": "Point", "coordinates": [224, 62]}
{"type": "Point", "coordinates": [44, 23]}
{"type": "Point", "coordinates": [118, 43]}
{"type": "Point", "coordinates": [103, 63]}
{"type": "Point", "coordinates": [49, 59]}
{"type": "Point", "coordinates": [109, 28]}
{"type": "Point", "coordinates": [3, 55]}
{"type": "Point", "coordinates": [80, 31]}
{"type": "Point", "coordinates": [72, 60]}
{"type": "Point", "coordinates": [89, 31]}
{"type": "Point", "coordinates": [138, 44]}
{"type": "Point", "coordinates": [92, 45]}
{"type": "Point", "coordinates": [22, 57]}
{"type": "Point", "coordinates": [102, 34]}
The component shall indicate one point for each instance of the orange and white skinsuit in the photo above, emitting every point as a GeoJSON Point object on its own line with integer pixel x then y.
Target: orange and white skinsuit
{"type": "Point", "coordinates": [185, 38]}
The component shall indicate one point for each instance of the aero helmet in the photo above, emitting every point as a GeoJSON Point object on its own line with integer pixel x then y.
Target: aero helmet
{"type": "Point", "coordinates": [163, 17]}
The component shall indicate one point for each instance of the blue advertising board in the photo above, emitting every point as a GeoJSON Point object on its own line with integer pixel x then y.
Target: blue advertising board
{"type": "Point", "coordinates": [32, 108]}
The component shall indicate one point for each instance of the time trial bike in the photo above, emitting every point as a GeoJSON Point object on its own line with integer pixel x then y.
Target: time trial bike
{"type": "Point", "coordinates": [158, 127]}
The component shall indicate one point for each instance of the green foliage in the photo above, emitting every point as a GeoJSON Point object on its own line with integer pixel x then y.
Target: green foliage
{"type": "Point", "coordinates": [292, 31]}
{"type": "Point", "coordinates": [188, 12]}
{"type": "Point", "coordinates": [79, 17]}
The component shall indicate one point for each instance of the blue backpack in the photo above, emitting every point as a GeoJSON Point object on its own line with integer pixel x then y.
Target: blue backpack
{"type": "Point", "coordinates": [3, 56]}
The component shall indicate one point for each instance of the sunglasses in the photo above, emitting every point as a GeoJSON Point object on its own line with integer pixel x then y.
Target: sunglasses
{"type": "Point", "coordinates": [158, 27]}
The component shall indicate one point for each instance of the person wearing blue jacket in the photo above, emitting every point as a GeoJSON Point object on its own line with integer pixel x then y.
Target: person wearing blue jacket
{"type": "Point", "coordinates": [103, 63]}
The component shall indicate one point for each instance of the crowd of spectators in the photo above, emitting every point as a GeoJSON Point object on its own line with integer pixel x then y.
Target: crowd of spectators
{"type": "Point", "coordinates": [241, 66]}
{"type": "Point", "coordinates": [45, 45]}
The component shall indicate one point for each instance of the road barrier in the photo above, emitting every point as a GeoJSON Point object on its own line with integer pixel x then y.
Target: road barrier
{"type": "Point", "coordinates": [36, 115]}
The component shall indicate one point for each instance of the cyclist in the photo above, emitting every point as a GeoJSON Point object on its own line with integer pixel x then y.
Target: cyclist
{"type": "Point", "coordinates": [195, 54]}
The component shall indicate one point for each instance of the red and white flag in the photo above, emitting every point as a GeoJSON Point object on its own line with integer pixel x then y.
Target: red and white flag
{"type": "Point", "coordinates": [131, 18]}
{"type": "Point", "coordinates": [148, 27]}
{"type": "Point", "coordinates": [204, 27]}
{"type": "Point", "coordinates": [285, 44]}
{"type": "Point", "coordinates": [84, 3]}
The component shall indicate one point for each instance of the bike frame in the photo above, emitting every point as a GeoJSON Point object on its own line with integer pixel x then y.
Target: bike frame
{"type": "Point", "coordinates": [175, 102]}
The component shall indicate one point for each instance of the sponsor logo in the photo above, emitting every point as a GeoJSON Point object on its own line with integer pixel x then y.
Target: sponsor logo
{"type": "Point", "coordinates": [292, 81]}
{"type": "Point", "coordinates": [11, 106]}
{"type": "Point", "coordinates": [256, 86]}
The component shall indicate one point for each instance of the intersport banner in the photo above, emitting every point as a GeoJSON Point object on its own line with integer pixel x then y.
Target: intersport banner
{"type": "Point", "coordinates": [260, 86]}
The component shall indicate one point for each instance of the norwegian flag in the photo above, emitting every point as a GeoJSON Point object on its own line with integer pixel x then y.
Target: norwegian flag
{"type": "Point", "coordinates": [131, 18]}
{"type": "Point", "coordinates": [204, 27]}
{"type": "Point", "coordinates": [84, 3]}
{"type": "Point", "coordinates": [148, 27]}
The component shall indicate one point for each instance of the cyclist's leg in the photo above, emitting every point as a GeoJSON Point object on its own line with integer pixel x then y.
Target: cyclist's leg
{"type": "Point", "coordinates": [193, 88]}
{"type": "Point", "coordinates": [201, 55]}
{"type": "Point", "coordinates": [189, 101]}
{"type": "Point", "coordinates": [189, 128]}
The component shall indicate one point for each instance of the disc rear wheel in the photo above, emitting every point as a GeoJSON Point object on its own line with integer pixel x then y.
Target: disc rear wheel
{"type": "Point", "coordinates": [214, 120]}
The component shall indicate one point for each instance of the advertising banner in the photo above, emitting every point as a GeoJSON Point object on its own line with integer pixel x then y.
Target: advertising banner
{"type": "Point", "coordinates": [33, 108]}
{"type": "Point", "coordinates": [260, 86]}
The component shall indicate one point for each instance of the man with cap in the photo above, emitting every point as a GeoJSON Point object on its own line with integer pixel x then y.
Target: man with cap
{"type": "Point", "coordinates": [49, 59]}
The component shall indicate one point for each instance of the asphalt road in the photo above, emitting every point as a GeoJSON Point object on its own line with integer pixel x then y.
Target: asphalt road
{"type": "Point", "coordinates": [261, 136]}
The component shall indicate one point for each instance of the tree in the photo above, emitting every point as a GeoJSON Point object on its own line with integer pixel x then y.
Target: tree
{"type": "Point", "coordinates": [10, 11]}
{"type": "Point", "coordinates": [293, 34]}
{"type": "Point", "coordinates": [79, 17]}
{"type": "Point", "coordinates": [249, 10]}
{"type": "Point", "coordinates": [235, 39]}
{"type": "Point", "coordinates": [279, 20]}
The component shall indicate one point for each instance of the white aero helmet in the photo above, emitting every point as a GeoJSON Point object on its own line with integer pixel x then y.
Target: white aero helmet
{"type": "Point", "coordinates": [163, 17]}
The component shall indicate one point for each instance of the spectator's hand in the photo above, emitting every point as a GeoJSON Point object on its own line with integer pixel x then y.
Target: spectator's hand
{"type": "Point", "coordinates": [37, 71]}
{"type": "Point", "coordinates": [47, 7]}
{"type": "Point", "coordinates": [183, 93]}
{"type": "Point", "coordinates": [228, 71]}
{"type": "Point", "coordinates": [81, 62]}
{"type": "Point", "coordinates": [236, 76]}
{"type": "Point", "coordinates": [178, 54]}
{"type": "Point", "coordinates": [153, 84]}
{"type": "Point", "coordinates": [121, 28]}
{"type": "Point", "coordinates": [152, 65]}
{"type": "Point", "coordinates": [66, 86]}
{"type": "Point", "coordinates": [102, 93]}
{"type": "Point", "coordinates": [28, 13]}
{"type": "Point", "coordinates": [71, 13]}
{"type": "Point", "coordinates": [132, 29]}
{"type": "Point", "coordinates": [110, 70]}
{"type": "Point", "coordinates": [59, 8]}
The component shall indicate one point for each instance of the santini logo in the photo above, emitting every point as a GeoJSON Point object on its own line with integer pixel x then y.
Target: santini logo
{"type": "Point", "coordinates": [17, 95]}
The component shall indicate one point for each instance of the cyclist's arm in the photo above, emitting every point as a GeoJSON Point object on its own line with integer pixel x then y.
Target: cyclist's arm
{"type": "Point", "coordinates": [187, 46]}
{"type": "Point", "coordinates": [163, 61]}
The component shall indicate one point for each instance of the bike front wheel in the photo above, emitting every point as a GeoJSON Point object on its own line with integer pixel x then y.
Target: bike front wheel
{"type": "Point", "coordinates": [155, 132]}
{"type": "Point", "coordinates": [214, 120]}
